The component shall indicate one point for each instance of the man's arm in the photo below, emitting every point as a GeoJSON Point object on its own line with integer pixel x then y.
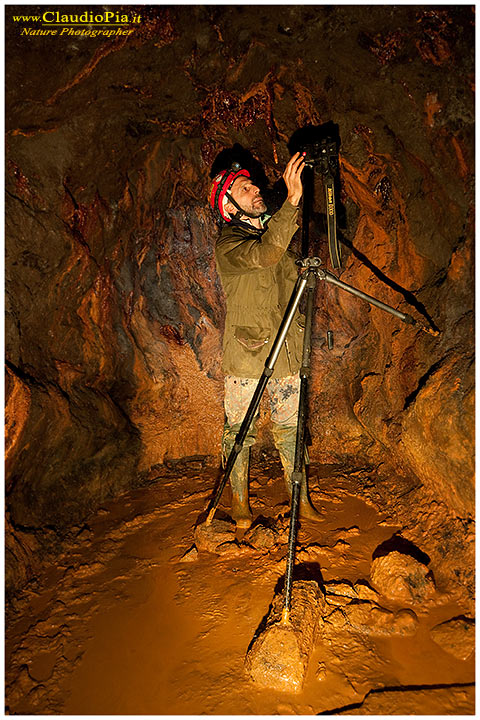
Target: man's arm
{"type": "Point", "coordinates": [235, 255]}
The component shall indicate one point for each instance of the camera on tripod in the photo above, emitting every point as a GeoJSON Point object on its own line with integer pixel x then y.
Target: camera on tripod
{"type": "Point", "coordinates": [320, 147]}
{"type": "Point", "coordinates": [321, 154]}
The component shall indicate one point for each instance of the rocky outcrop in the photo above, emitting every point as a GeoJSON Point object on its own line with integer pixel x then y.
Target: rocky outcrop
{"type": "Point", "coordinates": [402, 578]}
{"type": "Point", "coordinates": [279, 654]}
{"type": "Point", "coordinates": [456, 636]}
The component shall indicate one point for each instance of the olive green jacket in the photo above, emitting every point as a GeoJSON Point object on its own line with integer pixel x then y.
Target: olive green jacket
{"type": "Point", "coordinates": [258, 274]}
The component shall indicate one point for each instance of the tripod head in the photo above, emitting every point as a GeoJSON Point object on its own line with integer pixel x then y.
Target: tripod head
{"type": "Point", "coordinates": [309, 263]}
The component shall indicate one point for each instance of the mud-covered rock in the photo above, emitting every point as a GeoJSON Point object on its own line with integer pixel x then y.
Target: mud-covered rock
{"type": "Point", "coordinates": [210, 537]}
{"type": "Point", "coordinates": [365, 592]}
{"type": "Point", "coordinates": [278, 658]}
{"type": "Point", "coordinates": [232, 549]}
{"type": "Point", "coordinates": [456, 636]}
{"type": "Point", "coordinates": [281, 527]}
{"type": "Point", "coordinates": [369, 618]}
{"type": "Point", "coordinates": [190, 555]}
{"type": "Point", "coordinates": [261, 537]}
{"type": "Point", "coordinates": [343, 589]}
{"type": "Point", "coordinates": [373, 619]}
{"type": "Point", "coordinates": [342, 593]}
{"type": "Point", "coordinates": [339, 600]}
{"type": "Point", "coordinates": [401, 578]}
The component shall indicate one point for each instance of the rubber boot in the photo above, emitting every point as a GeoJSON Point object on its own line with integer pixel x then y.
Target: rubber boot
{"type": "Point", "coordinates": [284, 437]}
{"type": "Point", "coordinates": [241, 513]}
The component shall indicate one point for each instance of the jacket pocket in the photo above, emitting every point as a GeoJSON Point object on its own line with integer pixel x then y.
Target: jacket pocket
{"type": "Point", "coordinates": [253, 338]}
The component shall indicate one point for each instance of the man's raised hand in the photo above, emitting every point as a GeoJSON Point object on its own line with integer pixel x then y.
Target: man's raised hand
{"type": "Point", "coordinates": [292, 177]}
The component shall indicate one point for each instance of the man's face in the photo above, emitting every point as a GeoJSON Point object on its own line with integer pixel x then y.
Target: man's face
{"type": "Point", "coordinates": [247, 195]}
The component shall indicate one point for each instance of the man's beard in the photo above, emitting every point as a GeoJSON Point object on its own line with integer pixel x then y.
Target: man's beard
{"type": "Point", "coordinates": [254, 209]}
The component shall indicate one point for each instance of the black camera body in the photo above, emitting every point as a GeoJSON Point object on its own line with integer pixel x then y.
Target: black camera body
{"type": "Point", "coordinates": [321, 155]}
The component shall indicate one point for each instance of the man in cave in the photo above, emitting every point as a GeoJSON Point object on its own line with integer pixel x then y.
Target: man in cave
{"type": "Point", "coordinates": [258, 274]}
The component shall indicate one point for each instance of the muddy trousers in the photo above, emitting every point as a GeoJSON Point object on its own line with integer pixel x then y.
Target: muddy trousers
{"type": "Point", "coordinates": [283, 394]}
{"type": "Point", "coordinates": [284, 437]}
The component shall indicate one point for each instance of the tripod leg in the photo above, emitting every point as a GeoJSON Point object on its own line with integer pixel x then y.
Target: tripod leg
{"type": "Point", "coordinates": [300, 443]}
{"type": "Point", "coordinates": [330, 278]}
{"type": "Point", "coordinates": [262, 383]}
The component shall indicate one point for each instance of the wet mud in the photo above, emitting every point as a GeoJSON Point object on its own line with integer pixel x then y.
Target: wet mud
{"type": "Point", "coordinates": [134, 618]}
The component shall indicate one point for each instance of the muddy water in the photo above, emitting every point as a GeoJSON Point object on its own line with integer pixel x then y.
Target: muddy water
{"type": "Point", "coordinates": [123, 625]}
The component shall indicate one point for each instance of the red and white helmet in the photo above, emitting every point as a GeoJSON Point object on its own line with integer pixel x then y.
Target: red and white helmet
{"type": "Point", "coordinates": [218, 196]}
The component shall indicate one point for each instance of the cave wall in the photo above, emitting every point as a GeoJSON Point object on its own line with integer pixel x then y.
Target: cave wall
{"type": "Point", "coordinates": [114, 310]}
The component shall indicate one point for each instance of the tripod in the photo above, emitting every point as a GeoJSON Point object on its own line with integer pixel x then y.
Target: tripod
{"type": "Point", "coordinates": [310, 272]}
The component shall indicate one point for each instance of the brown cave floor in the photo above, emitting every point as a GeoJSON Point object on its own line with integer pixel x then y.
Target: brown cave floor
{"type": "Point", "coordinates": [122, 624]}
